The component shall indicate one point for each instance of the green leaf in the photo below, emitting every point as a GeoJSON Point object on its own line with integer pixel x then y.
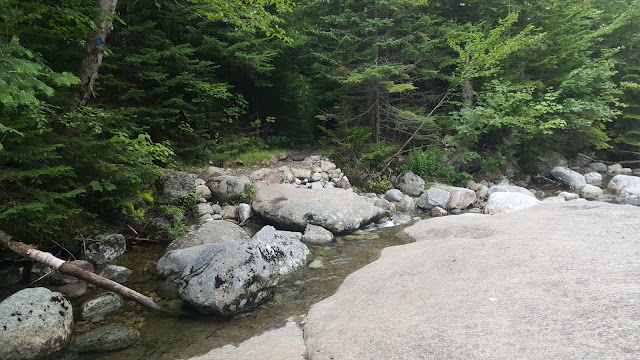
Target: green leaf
{"type": "Point", "coordinates": [96, 186]}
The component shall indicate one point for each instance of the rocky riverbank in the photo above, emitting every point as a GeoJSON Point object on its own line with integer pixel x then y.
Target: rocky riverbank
{"type": "Point", "coordinates": [221, 268]}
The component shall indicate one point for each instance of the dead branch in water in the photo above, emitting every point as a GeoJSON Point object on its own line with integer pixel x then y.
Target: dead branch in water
{"type": "Point", "coordinates": [48, 259]}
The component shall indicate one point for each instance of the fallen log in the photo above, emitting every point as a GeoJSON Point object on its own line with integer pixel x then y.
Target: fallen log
{"type": "Point", "coordinates": [48, 259]}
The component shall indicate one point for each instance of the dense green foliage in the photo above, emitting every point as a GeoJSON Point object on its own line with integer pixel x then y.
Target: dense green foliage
{"type": "Point", "coordinates": [443, 88]}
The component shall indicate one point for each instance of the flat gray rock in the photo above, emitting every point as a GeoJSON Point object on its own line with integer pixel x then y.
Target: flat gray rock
{"type": "Point", "coordinates": [337, 210]}
{"type": "Point", "coordinates": [211, 232]}
{"type": "Point", "coordinates": [556, 281]}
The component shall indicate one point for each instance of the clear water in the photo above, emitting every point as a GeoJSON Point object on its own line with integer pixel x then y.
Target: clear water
{"type": "Point", "coordinates": [184, 333]}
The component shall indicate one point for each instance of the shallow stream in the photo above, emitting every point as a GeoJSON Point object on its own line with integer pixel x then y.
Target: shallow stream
{"type": "Point", "coordinates": [184, 333]}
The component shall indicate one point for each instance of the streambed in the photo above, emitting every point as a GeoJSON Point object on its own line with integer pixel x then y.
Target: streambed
{"type": "Point", "coordinates": [185, 333]}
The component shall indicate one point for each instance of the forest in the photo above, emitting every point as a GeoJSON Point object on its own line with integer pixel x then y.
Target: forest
{"type": "Point", "coordinates": [98, 97]}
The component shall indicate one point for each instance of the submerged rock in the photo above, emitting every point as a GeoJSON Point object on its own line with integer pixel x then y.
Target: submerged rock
{"type": "Point", "coordinates": [231, 277]}
{"type": "Point", "coordinates": [106, 338]}
{"type": "Point", "coordinates": [35, 323]}
{"type": "Point", "coordinates": [101, 305]}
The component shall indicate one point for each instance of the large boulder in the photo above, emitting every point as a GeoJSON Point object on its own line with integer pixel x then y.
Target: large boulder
{"type": "Point", "coordinates": [105, 248]}
{"type": "Point", "coordinates": [175, 261]}
{"type": "Point", "coordinates": [556, 281]}
{"type": "Point", "coordinates": [568, 177]}
{"type": "Point", "coordinates": [231, 277]}
{"type": "Point", "coordinates": [35, 323]}
{"type": "Point", "coordinates": [228, 188]}
{"type": "Point", "coordinates": [210, 232]}
{"type": "Point", "coordinates": [411, 184]}
{"type": "Point", "coordinates": [337, 210]}
{"type": "Point", "coordinates": [176, 185]}
{"type": "Point", "coordinates": [625, 185]}
{"type": "Point", "coordinates": [503, 202]}
{"type": "Point", "coordinates": [460, 198]}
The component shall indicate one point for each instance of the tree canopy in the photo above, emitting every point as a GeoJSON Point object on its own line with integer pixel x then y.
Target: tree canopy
{"type": "Point", "coordinates": [465, 86]}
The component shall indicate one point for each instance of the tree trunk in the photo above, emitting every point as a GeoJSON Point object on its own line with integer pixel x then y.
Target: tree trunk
{"type": "Point", "coordinates": [94, 50]}
{"type": "Point", "coordinates": [467, 90]}
{"type": "Point", "coordinates": [48, 259]}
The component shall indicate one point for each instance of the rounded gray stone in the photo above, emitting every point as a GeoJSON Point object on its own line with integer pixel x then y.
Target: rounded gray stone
{"type": "Point", "coordinates": [35, 323]}
{"type": "Point", "coordinates": [394, 195]}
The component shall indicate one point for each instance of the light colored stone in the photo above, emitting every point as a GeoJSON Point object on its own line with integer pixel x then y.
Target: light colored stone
{"type": "Point", "coordinates": [625, 185]}
{"type": "Point", "coordinates": [411, 184]}
{"type": "Point", "coordinates": [35, 323]}
{"type": "Point", "coordinates": [593, 178]}
{"type": "Point", "coordinates": [407, 205]}
{"type": "Point", "coordinates": [554, 199]}
{"type": "Point", "coordinates": [229, 212]}
{"type": "Point", "coordinates": [569, 196]}
{"type": "Point", "coordinates": [204, 209]}
{"type": "Point", "coordinates": [591, 192]}
{"type": "Point", "coordinates": [569, 178]}
{"type": "Point", "coordinates": [503, 202]}
{"type": "Point", "coordinates": [314, 234]}
{"type": "Point", "coordinates": [228, 188]}
{"type": "Point", "coordinates": [394, 195]}
{"type": "Point", "coordinates": [614, 169]}
{"type": "Point", "coordinates": [556, 281]}
{"type": "Point", "coordinates": [461, 198]}
{"type": "Point", "coordinates": [433, 197]}
{"type": "Point", "coordinates": [337, 210]}
{"type": "Point", "coordinates": [244, 212]}
{"type": "Point", "coordinates": [203, 191]}
{"type": "Point", "coordinates": [508, 188]}
{"type": "Point", "coordinates": [211, 172]}
{"type": "Point", "coordinates": [301, 173]}
{"type": "Point", "coordinates": [438, 211]}
{"type": "Point", "coordinates": [269, 175]}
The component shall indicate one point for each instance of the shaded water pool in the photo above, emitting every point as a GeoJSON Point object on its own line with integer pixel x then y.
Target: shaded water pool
{"type": "Point", "coordinates": [184, 333]}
